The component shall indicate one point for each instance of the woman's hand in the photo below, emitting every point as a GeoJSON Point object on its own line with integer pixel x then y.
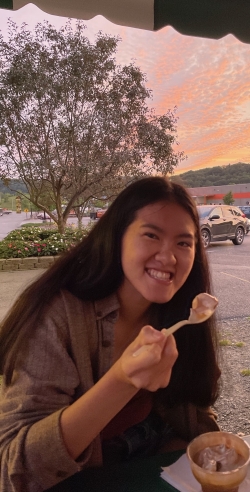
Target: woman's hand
{"type": "Point", "coordinates": [152, 368]}
{"type": "Point", "coordinates": [82, 421]}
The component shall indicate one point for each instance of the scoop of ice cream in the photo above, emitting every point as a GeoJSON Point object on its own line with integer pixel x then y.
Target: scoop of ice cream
{"type": "Point", "coordinates": [203, 306]}
{"type": "Point", "coordinates": [218, 458]}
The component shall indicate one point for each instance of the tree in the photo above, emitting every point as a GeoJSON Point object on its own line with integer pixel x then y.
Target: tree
{"type": "Point", "coordinates": [228, 199]}
{"type": "Point", "coordinates": [74, 124]}
{"type": "Point", "coordinates": [218, 175]}
{"type": "Point", "coordinates": [177, 179]}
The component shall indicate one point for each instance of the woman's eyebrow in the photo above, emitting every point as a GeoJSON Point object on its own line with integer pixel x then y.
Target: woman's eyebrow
{"type": "Point", "coordinates": [152, 226]}
{"type": "Point", "coordinates": [186, 235]}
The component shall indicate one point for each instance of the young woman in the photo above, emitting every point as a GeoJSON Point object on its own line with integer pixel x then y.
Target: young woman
{"type": "Point", "coordinates": [74, 394]}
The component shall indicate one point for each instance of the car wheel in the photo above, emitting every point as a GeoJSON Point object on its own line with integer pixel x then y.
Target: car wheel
{"type": "Point", "coordinates": [206, 237]}
{"type": "Point", "coordinates": [239, 236]}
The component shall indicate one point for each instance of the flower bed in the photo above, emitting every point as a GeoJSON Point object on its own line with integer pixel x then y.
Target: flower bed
{"type": "Point", "coordinates": [39, 241]}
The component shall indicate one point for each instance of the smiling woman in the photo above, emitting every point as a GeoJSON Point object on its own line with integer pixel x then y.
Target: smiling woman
{"type": "Point", "coordinates": [67, 346]}
{"type": "Point", "coordinates": [158, 252]}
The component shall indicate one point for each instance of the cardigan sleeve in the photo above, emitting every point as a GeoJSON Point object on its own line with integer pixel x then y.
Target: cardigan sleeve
{"type": "Point", "coordinates": [33, 454]}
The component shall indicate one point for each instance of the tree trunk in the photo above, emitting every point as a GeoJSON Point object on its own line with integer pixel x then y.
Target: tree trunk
{"type": "Point", "coordinates": [61, 224]}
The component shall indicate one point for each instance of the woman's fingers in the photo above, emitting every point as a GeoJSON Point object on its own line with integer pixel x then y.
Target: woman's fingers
{"type": "Point", "coordinates": [147, 336]}
{"type": "Point", "coordinates": [152, 368]}
{"type": "Point", "coordinates": [169, 356]}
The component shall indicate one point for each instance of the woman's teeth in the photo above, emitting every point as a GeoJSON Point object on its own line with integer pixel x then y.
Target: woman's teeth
{"type": "Point", "coordinates": [159, 275]}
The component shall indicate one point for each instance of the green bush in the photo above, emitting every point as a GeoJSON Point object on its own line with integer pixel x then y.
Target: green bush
{"type": "Point", "coordinates": [39, 241]}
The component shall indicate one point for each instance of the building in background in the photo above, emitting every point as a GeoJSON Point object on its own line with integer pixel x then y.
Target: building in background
{"type": "Point", "coordinates": [207, 195]}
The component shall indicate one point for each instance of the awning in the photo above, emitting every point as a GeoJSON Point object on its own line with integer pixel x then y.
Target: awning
{"type": "Point", "coordinates": [205, 18]}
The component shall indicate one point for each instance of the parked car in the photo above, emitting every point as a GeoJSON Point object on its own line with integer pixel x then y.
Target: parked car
{"type": "Point", "coordinates": [72, 212]}
{"type": "Point", "coordinates": [42, 216]}
{"type": "Point", "coordinates": [246, 212]}
{"type": "Point", "coordinates": [245, 209]}
{"type": "Point", "coordinates": [248, 225]}
{"type": "Point", "coordinates": [5, 211]}
{"type": "Point", "coordinates": [221, 222]}
{"type": "Point", "coordinates": [96, 214]}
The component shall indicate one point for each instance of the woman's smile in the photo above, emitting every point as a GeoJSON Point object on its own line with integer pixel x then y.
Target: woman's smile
{"type": "Point", "coordinates": [159, 275]}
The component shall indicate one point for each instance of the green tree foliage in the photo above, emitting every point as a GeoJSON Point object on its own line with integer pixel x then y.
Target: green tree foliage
{"type": "Point", "coordinates": [73, 123]}
{"type": "Point", "coordinates": [228, 199]}
{"type": "Point", "coordinates": [216, 176]}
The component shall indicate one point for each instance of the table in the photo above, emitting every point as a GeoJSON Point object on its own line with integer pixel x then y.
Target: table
{"type": "Point", "coordinates": [141, 475]}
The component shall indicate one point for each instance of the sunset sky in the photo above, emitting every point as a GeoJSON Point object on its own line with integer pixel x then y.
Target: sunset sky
{"type": "Point", "coordinates": [208, 81]}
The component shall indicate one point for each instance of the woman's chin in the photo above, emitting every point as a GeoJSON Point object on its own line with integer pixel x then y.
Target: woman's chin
{"type": "Point", "coordinates": [159, 298]}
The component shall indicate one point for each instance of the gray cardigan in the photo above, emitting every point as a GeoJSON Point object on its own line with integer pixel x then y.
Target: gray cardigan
{"type": "Point", "coordinates": [69, 351]}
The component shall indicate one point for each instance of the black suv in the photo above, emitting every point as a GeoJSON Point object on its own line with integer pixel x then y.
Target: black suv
{"type": "Point", "coordinates": [221, 222]}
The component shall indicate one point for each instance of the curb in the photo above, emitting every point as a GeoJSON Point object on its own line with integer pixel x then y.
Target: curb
{"type": "Point", "coordinates": [30, 263]}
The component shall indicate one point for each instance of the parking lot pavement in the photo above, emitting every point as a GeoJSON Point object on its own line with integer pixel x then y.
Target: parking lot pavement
{"type": "Point", "coordinates": [230, 268]}
{"type": "Point", "coordinates": [12, 284]}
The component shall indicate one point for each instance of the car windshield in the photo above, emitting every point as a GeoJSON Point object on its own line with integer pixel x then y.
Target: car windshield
{"type": "Point", "coordinates": [204, 211]}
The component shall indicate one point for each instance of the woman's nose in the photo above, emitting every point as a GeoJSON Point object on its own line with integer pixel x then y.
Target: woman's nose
{"type": "Point", "coordinates": [166, 256]}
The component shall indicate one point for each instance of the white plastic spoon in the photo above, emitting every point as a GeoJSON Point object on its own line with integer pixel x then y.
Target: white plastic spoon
{"type": "Point", "coordinates": [203, 306]}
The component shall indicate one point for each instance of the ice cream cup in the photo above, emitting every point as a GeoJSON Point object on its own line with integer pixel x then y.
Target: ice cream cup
{"type": "Point", "coordinates": [219, 481]}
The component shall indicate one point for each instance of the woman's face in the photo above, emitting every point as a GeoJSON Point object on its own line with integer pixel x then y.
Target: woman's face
{"type": "Point", "coordinates": [158, 250]}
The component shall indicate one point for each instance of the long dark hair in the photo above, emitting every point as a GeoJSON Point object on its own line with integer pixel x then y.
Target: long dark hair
{"type": "Point", "coordinates": [92, 270]}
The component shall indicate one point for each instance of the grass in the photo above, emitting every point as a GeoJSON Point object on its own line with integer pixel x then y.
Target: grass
{"type": "Point", "coordinates": [227, 343]}
{"type": "Point", "coordinates": [245, 372]}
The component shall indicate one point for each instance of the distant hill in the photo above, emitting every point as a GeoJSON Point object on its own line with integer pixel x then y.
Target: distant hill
{"type": "Point", "coordinates": [15, 184]}
{"type": "Point", "coordinates": [219, 175]}
{"type": "Point", "coordinates": [209, 176]}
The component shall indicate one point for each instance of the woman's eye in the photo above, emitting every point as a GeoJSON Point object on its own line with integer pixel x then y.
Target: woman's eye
{"type": "Point", "coordinates": [185, 244]}
{"type": "Point", "coordinates": [151, 235]}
